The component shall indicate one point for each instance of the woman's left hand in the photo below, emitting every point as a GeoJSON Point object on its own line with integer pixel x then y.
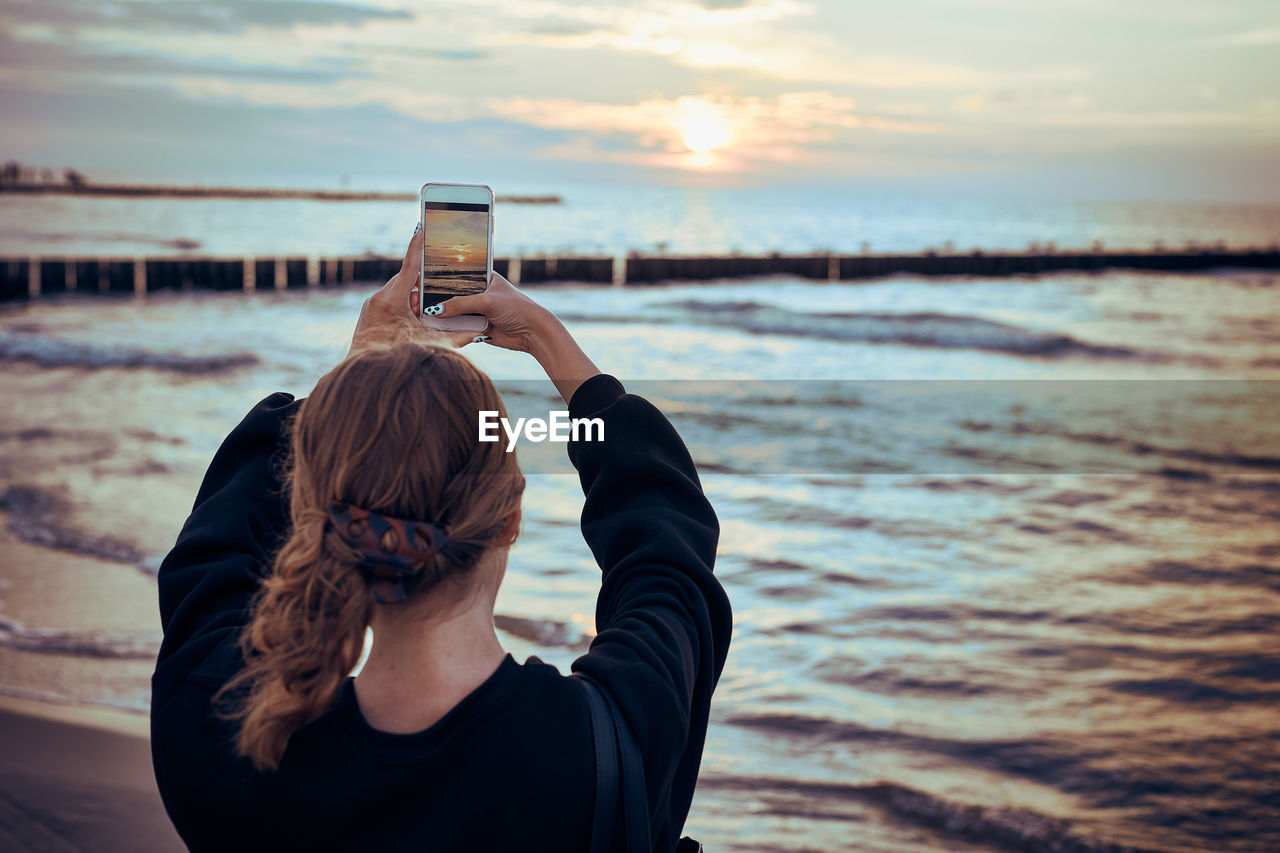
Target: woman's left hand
{"type": "Point", "coordinates": [384, 315]}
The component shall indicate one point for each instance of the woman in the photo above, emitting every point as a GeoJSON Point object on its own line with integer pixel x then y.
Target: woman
{"type": "Point", "coordinates": [372, 503]}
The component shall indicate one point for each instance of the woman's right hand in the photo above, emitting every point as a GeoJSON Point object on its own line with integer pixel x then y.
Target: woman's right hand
{"type": "Point", "coordinates": [516, 322]}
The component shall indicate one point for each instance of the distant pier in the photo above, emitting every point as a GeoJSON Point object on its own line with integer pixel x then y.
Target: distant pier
{"type": "Point", "coordinates": [32, 277]}
{"type": "Point", "coordinates": [245, 193]}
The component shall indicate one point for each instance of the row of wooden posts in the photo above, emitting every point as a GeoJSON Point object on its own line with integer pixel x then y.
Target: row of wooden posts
{"type": "Point", "coordinates": [25, 278]}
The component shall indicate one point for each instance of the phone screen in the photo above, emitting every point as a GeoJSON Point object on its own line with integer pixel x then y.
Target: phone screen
{"type": "Point", "coordinates": [455, 251]}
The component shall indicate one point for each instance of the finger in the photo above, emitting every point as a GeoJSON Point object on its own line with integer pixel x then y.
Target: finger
{"type": "Point", "coordinates": [461, 339]}
{"type": "Point", "coordinates": [433, 325]}
{"type": "Point", "coordinates": [410, 274]}
{"type": "Point", "coordinates": [413, 299]}
{"type": "Point", "coordinates": [502, 340]}
{"type": "Point", "coordinates": [476, 303]}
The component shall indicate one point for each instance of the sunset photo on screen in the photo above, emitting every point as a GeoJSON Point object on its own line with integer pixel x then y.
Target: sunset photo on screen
{"type": "Point", "coordinates": [456, 250]}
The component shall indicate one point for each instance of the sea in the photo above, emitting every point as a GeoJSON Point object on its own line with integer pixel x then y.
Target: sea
{"type": "Point", "coordinates": [1003, 553]}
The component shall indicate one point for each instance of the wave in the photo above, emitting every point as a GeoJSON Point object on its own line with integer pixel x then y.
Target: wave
{"type": "Point", "coordinates": [791, 512]}
{"type": "Point", "coordinates": [1161, 624]}
{"type": "Point", "coordinates": [1254, 666]}
{"type": "Point", "coordinates": [545, 632]}
{"type": "Point", "coordinates": [91, 644]}
{"type": "Point", "coordinates": [1074, 531]}
{"type": "Point", "coordinates": [822, 401]}
{"type": "Point", "coordinates": [1183, 573]}
{"type": "Point", "coordinates": [1007, 828]}
{"type": "Point", "coordinates": [1133, 447]}
{"type": "Point", "coordinates": [138, 703]}
{"type": "Point", "coordinates": [760, 565]}
{"type": "Point", "coordinates": [780, 511]}
{"type": "Point", "coordinates": [184, 244]}
{"type": "Point", "coordinates": [138, 645]}
{"type": "Point", "coordinates": [895, 681]}
{"type": "Point", "coordinates": [55, 352]}
{"type": "Point", "coordinates": [1191, 691]}
{"type": "Point", "coordinates": [919, 329]}
{"type": "Point", "coordinates": [856, 580]}
{"type": "Point", "coordinates": [1082, 768]}
{"type": "Point", "coordinates": [972, 484]}
{"type": "Point", "coordinates": [1156, 622]}
{"type": "Point", "coordinates": [39, 517]}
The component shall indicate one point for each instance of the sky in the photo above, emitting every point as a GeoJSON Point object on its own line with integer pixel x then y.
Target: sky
{"type": "Point", "coordinates": [1133, 100]}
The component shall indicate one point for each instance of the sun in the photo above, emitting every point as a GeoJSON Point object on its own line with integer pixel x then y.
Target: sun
{"type": "Point", "coordinates": [462, 257]}
{"type": "Point", "coordinates": [702, 126]}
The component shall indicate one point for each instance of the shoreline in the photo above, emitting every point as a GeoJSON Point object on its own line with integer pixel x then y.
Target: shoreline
{"type": "Point", "coordinates": [100, 717]}
{"type": "Point", "coordinates": [78, 779]}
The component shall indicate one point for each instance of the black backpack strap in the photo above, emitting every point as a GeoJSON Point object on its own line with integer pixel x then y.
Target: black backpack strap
{"type": "Point", "coordinates": [617, 766]}
{"type": "Point", "coordinates": [606, 746]}
{"type": "Point", "coordinates": [613, 739]}
{"type": "Point", "coordinates": [635, 797]}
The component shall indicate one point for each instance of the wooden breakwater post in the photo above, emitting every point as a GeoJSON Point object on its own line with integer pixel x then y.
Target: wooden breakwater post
{"type": "Point", "coordinates": [644, 269]}
{"type": "Point", "coordinates": [24, 278]}
{"type": "Point", "coordinates": [14, 274]}
{"type": "Point", "coordinates": [648, 270]}
{"type": "Point", "coordinates": [28, 278]}
{"type": "Point", "coordinates": [979, 263]}
{"type": "Point", "coordinates": [186, 274]}
{"type": "Point", "coordinates": [586, 270]}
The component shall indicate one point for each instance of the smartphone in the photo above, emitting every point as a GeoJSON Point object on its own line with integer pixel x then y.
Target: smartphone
{"type": "Point", "coordinates": [457, 249]}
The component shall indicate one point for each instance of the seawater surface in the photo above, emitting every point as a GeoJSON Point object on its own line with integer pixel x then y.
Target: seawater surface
{"type": "Point", "coordinates": [1004, 555]}
{"type": "Point", "coordinates": [616, 220]}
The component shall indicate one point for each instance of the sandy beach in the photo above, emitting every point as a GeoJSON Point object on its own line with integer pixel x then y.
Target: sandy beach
{"type": "Point", "coordinates": [78, 779]}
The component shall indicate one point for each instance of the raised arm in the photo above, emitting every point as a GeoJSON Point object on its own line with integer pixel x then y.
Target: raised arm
{"type": "Point", "coordinates": [662, 617]}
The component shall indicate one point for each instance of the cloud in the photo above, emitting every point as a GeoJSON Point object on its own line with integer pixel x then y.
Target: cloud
{"type": "Point", "coordinates": [405, 98]}
{"type": "Point", "coordinates": [226, 16]}
{"type": "Point", "coordinates": [764, 38]}
{"type": "Point", "coordinates": [446, 53]}
{"type": "Point", "coordinates": [1193, 119]}
{"type": "Point", "coordinates": [749, 129]}
{"type": "Point", "coordinates": [1259, 36]}
{"type": "Point", "coordinates": [29, 59]}
{"type": "Point", "coordinates": [1021, 100]}
{"type": "Point", "coordinates": [1204, 91]}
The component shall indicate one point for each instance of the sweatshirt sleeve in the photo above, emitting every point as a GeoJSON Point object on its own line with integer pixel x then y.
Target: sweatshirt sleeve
{"type": "Point", "coordinates": [663, 620]}
{"type": "Point", "coordinates": [223, 551]}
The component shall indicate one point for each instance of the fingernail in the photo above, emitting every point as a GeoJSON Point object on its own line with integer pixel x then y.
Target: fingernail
{"type": "Point", "coordinates": [479, 339]}
{"type": "Point", "coordinates": [417, 227]}
{"type": "Point", "coordinates": [433, 310]}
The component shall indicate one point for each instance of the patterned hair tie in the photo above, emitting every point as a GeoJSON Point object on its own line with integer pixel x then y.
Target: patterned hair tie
{"type": "Point", "coordinates": [393, 551]}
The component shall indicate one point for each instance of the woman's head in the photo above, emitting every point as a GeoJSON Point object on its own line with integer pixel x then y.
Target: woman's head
{"type": "Point", "coordinates": [392, 429]}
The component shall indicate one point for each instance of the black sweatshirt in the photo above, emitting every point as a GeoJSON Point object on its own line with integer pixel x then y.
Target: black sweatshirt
{"type": "Point", "coordinates": [511, 767]}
